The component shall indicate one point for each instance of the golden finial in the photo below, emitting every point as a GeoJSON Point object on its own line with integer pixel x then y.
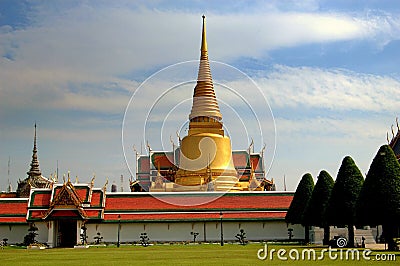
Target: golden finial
{"type": "Point", "coordinates": [397, 123]}
{"type": "Point", "coordinates": [136, 151]}
{"type": "Point", "coordinates": [76, 180]}
{"type": "Point", "coordinates": [387, 137]}
{"type": "Point", "coordinates": [262, 150]}
{"type": "Point", "coordinates": [251, 146]}
{"type": "Point", "coordinates": [179, 137]}
{"type": "Point", "coordinates": [392, 131]}
{"type": "Point", "coordinates": [69, 179]}
{"type": "Point", "coordinates": [203, 35]}
{"type": "Point", "coordinates": [148, 146]}
{"type": "Point", "coordinates": [105, 185]}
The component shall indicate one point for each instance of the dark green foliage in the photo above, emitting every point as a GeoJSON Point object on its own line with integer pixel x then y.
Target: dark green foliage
{"type": "Point", "coordinates": [379, 200]}
{"type": "Point", "coordinates": [84, 236]}
{"type": "Point", "coordinates": [316, 209]}
{"type": "Point", "coordinates": [30, 237]}
{"type": "Point", "coordinates": [315, 213]}
{"type": "Point", "coordinates": [300, 200]}
{"type": "Point", "coordinates": [299, 204]}
{"type": "Point", "coordinates": [241, 237]}
{"type": "Point", "coordinates": [194, 234]}
{"type": "Point", "coordinates": [98, 238]}
{"type": "Point", "coordinates": [345, 192]}
{"type": "Point", "coordinates": [144, 239]}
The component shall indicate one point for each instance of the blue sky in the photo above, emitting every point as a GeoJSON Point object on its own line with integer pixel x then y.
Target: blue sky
{"type": "Point", "coordinates": [328, 69]}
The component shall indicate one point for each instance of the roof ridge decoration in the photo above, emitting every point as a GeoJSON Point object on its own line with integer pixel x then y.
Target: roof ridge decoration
{"type": "Point", "coordinates": [204, 100]}
{"type": "Point", "coordinates": [394, 142]}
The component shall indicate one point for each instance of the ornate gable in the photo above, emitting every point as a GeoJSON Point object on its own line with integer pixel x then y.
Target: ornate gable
{"type": "Point", "coordinates": [66, 198]}
{"type": "Point", "coordinates": [66, 201]}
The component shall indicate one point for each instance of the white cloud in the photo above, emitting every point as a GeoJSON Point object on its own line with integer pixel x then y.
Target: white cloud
{"type": "Point", "coordinates": [92, 46]}
{"type": "Point", "coordinates": [334, 89]}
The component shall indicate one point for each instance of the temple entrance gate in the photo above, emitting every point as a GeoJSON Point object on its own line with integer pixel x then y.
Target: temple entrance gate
{"type": "Point", "coordinates": [66, 233]}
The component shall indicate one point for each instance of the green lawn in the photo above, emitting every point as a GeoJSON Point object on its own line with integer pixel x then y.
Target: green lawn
{"type": "Point", "coordinates": [203, 254]}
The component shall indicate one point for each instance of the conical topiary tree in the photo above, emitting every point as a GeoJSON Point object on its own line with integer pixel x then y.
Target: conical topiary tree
{"type": "Point", "coordinates": [315, 213]}
{"type": "Point", "coordinates": [345, 192]}
{"type": "Point", "coordinates": [299, 203]}
{"type": "Point", "coordinates": [379, 200]}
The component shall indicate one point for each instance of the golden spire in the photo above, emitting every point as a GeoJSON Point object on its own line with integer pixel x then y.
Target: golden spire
{"type": "Point", "coordinates": [205, 103]}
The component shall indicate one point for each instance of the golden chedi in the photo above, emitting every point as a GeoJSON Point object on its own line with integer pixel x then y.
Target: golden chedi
{"type": "Point", "coordinates": [205, 153]}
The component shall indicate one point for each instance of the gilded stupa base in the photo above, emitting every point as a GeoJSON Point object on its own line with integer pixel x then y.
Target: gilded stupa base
{"type": "Point", "coordinates": [192, 181]}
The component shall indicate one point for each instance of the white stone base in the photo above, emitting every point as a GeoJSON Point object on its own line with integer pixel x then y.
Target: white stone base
{"type": "Point", "coordinates": [35, 247]}
{"type": "Point", "coordinates": [82, 246]}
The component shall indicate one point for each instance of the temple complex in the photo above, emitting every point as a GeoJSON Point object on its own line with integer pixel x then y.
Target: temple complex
{"type": "Point", "coordinates": [201, 188]}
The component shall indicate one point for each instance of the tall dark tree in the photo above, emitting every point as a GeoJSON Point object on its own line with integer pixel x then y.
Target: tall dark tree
{"type": "Point", "coordinates": [379, 200]}
{"type": "Point", "coordinates": [299, 204]}
{"type": "Point", "coordinates": [316, 210]}
{"type": "Point", "coordinates": [345, 192]}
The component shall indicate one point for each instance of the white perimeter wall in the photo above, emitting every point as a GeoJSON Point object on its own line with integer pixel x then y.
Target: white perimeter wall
{"type": "Point", "coordinates": [16, 233]}
{"type": "Point", "coordinates": [208, 231]}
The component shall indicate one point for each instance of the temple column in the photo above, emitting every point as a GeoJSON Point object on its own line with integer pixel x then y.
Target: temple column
{"type": "Point", "coordinates": [51, 234]}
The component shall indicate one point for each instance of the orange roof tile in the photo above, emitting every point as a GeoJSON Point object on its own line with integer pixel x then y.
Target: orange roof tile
{"type": "Point", "coordinates": [146, 202]}
{"type": "Point", "coordinates": [156, 217]}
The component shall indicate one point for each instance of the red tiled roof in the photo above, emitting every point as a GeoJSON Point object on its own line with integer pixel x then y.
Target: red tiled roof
{"type": "Point", "coordinates": [35, 214]}
{"type": "Point", "coordinates": [94, 214]}
{"type": "Point", "coordinates": [146, 202]}
{"type": "Point", "coordinates": [139, 207]}
{"type": "Point", "coordinates": [11, 220]}
{"type": "Point", "coordinates": [155, 217]}
{"type": "Point", "coordinates": [83, 192]}
{"type": "Point", "coordinates": [96, 198]}
{"type": "Point", "coordinates": [255, 162]}
{"type": "Point", "coordinates": [40, 199]}
{"type": "Point", "coordinates": [13, 210]}
{"type": "Point", "coordinates": [239, 159]}
{"type": "Point", "coordinates": [145, 207]}
{"type": "Point", "coordinates": [10, 207]}
{"type": "Point", "coordinates": [162, 160]}
{"type": "Point", "coordinates": [144, 164]}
